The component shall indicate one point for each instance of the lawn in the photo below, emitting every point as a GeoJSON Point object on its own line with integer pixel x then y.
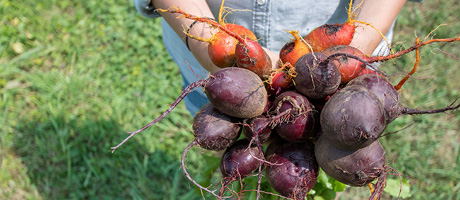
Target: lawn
{"type": "Point", "coordinates": [75, 76]}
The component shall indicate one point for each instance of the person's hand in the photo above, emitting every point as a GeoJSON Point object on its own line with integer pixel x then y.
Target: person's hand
{"type": "Point", "coordinates": [381, 15]}
{"type": "Point", "coordinates": [274, 57]}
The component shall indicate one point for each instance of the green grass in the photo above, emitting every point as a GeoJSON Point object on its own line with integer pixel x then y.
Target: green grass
{"type": "Point", "coordinates": [74, 76]}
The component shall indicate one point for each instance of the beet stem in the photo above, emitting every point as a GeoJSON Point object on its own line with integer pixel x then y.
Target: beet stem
{"type": "Point", "coordinates": [411, 111]}
{"type": "Point", "coordinates": [417, 59]}
{"type": "Point", "coordinates": [205, 20]}
{"type": "Point", "coordinates": [187, 90]}
{"type": "Point", "coordinates": [400, 53]}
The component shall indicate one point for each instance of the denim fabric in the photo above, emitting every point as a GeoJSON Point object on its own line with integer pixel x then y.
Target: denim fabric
{"type": "Point", "coordinates": [190, 68]}
{"type": "Point", "coordinates": [268, 19]}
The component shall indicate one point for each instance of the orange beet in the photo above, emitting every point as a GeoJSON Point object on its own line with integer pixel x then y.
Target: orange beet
{"type": "Point", "coordinates": [250, 55]}
{"type": "Point", "coordinates": [294, 49]}
{"type": "Point", "coordinates": [222, 46]}
{"type": "Point", "coordinates": [349, 68]}
{"type": "Point", "coordinates": [329, 35]}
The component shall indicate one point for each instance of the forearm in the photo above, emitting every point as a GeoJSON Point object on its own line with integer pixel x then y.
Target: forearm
{"type": "Point", "coordinates": [198, 8]}
{"type": "Point", "coordinates": [379, 13]}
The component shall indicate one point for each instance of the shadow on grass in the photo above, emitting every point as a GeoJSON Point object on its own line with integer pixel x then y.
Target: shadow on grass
{"type": "Point", "coordinates": [71, 159]}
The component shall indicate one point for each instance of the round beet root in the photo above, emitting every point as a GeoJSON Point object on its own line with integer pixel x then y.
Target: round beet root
{"type": "Point", "coordinates": [352, 118]}
{"type": "Point", "coordinates": [237, 92]}
{"type": "Point", "coordinates": [316, 79]}
{"type": "Point", "coordinates": [385, 92]}
{"type": "Point", "coordinates": [250, 55]}
{"type": "Point", "coordinates": [279, 82]}
{"type": "Point", "coordinates": [260, 126]}
{"type": "Point", "coordinates": [352, 167]}
{"type": "Point", "coordinates": [295, 169]}
{"type": "Point", "coordinates": [222, 47]}
{"type": "Point", "coordinates": [349, 68]}
{"type": "Point", "coordinates": [214, 130]}
{"type": "Point", "coordinates": [239, 161]}
{"type": "Point", "coordinates": [302, 121]}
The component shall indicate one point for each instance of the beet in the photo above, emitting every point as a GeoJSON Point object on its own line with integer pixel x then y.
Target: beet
{"type": "Point", "coordinates": [351, 167]}
{"type": "Point", "coordinates": [221, 48]}
{"type": "Point", "coordinates": [349, 68]}
{"type": "Point", "coordinates": [239, 161]}
{"type": "Point", "coordinates": [303, 120]}
{"type": "Point", "coordinates": [250, 55]}
{"type": "Point", "coordinates": [329, 35]}
{"type": "Point", "coordinates": [214, 130]}
{"type": "Point", "coordinates": [316, 79]}
{"type": "Point", "coordinates": [237, 92]}
{"type": "Point", "coordinates": [293, 50]}
{"type": "Point", "coordinates": [352, 118]}
{"type": "Point", "coordinates": [279, 82]}
{"type": "Point", "coordinates": [294, 171]}
{"type": "Point", "coordinates": [385, 92]}
{"type": "Point", "coordinates": [258, 125]}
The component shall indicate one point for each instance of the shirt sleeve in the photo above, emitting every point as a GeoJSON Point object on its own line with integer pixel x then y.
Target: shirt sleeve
{"type": "Point", "coordinates": [146, 9]}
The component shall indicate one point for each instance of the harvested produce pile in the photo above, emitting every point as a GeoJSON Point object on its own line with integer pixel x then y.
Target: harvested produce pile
{"type": "Point", "coordinates": [325, 108]}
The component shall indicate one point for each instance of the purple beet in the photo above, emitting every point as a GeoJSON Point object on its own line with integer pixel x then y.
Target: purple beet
{"type": "Point", "coordinates": [303, 120]}
{"type": "Point", "coordinates": [295, 169]}
{"type": "Point", "coordinates": [239, 161]}
{"type": "Point", "coordinates": [316, 79]}
{"type": "Point", "coordinates": [214, 130]}
{"type": "Point", "coordinates": [258, 125]}
{"type": "Point", "coordinates": [237, 92]}
{"type": "Point", "coordinates": [352, 167]}
{"type": "Point", "coordinates": [385, 92]}
{"type": "Point", "coordinates": [352, 118]}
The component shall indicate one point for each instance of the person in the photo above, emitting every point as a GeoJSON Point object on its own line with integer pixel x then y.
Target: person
{"type": "Point", "coordinates": [268, 19]}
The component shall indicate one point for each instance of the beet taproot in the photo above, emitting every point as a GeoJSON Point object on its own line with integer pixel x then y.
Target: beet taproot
{"type": "Point", "coordinates": [294, 170]}
{"type": "Point", "coordinates": [353, 118]}
{"type": "Point", "coordinates": [303, 118]}
{"type": "Point", "coordinates": [237, 92]}
{"type": "Point", "coordinates": [349, 68]}
{"type": "Point", "coordinates": [314, 78]}
{"type": "Point", "coordinates": [385, 92]}
{"type": "Point", "coordinates": [222, 46]}
{"type": "Point", "coordinates": [352, 167]}
{"type": "Point", "coordinates": [239, 160]}
{"type": "Point", "coordinates": [214, 130]}
{"type": "Point", "coordinates": [258, 126]}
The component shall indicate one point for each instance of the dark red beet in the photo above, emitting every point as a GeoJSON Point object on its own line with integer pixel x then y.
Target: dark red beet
{"type": "Point", "coordinates": [214, 130]}
{"type": "Point", "coordinates": [295, 169]}
{"type": "Point", "coordinates": [384, 91]}
{"type": "Point", "coordinates": [258, 125]}
{"type": "Point", "coordinates": [316, 79]}
{"type": "Point", "coordinates": [237, 92]}
{"type": "Point", "coordinates": [352, 167]}
{"type": "Point", "coordinates": [303, 120]}
{"type": "Point", "coordinates": [279, 82]}
{"type": "Point", "coordinates": [352, 118]}
{"type": "Point", "coordinates": [239, 161]}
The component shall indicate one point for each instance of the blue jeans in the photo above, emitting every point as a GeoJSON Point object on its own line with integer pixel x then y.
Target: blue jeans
{"type": "Point", "coordinates": [190, 68]}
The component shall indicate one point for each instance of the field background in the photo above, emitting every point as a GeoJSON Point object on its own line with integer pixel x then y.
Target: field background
{"type": "Point", "coordinates": [74, 76]}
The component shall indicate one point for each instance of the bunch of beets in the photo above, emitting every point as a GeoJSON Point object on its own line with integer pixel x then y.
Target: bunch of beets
{"type": "Point", "coordinates": [324, 107]}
